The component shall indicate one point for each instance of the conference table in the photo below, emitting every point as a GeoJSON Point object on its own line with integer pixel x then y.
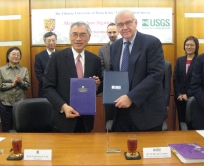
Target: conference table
{"type": "Point", "coordinates": [90, 148]}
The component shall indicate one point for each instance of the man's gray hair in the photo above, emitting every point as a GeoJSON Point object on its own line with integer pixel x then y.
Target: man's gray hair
{"type": "Point", "coordinates": [78, 23]}
{"type": "Point", "coordinates": [48, 34]}
{"type": "Point", "coordinates": [122, 12]}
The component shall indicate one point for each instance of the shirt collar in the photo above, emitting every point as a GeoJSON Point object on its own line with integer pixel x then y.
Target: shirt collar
{"type": "Point", "coordinates": [49, 53]}
{"type": "Point", "coordinates": [76, 54]}
{"type": "Point", "coordinates": [132, 39]}
{"type": "Point", "coordinates": [9, 66]}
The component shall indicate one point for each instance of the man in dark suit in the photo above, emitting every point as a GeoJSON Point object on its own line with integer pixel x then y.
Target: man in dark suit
{"type": "Point", "coordinates": [104, 54]}
{"type": "Point", "coordinates": [42, 58]}
{"type": "Point", "coordinates": [167, 82]}
{"type": "Point", "coordinates": [60, 69]}
{"type": "Point", "coordinates": [197, 88]}
{"type": "Point", "coordinates": [143, 108]}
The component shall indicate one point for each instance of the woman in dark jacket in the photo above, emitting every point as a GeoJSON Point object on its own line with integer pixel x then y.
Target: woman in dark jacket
{"type": "Point", "coordinates": [183, 74]}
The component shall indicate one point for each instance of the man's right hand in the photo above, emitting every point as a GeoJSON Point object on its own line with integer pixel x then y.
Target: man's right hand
{"type": "Point", "coordinates": [69, 111]}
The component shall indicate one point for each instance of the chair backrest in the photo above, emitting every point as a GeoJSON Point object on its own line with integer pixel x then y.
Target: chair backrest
{"type": "Point", "coordinates": [191, 106]}
{"type": "Point", "coordinates": [32, 115]}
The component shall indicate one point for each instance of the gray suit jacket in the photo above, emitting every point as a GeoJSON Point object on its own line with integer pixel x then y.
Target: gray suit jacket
{"type": "Point", "coordinates": [104, 54]}
{"type": "Point", "coordinates": [60, 69]}
{"type": "Point", "coordinates": [146, 71]}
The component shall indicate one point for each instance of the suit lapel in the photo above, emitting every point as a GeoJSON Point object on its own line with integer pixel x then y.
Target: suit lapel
{"type": "Point", "coordinates": [46, 55]}
{"type": "Point", "coordinates": [183, 65]}
{"type": "Point", "coordinates": [117, 54]}
{"type": "Point", "coordinates": [135, 53]}
{"type": "Point", "coordinates": [190, 70]}
{"type": "Point", "coordinates": [87, 64]}
{"type": "Point", "coordinates": [71, 66]}
{"type": "Point", "coordinates": [107, 49]}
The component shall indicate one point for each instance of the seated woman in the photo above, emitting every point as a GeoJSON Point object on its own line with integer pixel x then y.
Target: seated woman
{"type": "Point", "coordinates": [14, 80]}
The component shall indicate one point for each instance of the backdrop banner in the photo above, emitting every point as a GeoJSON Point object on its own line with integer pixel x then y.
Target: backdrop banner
{"type": "Point", "coordinates": [153, 21]}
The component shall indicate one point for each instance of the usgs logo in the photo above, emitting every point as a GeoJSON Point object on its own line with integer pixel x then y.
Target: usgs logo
{"type": "Point", "coordinates": [155, 22]}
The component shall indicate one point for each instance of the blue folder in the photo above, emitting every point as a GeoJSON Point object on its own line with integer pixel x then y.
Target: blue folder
{"type": "Point", "coordinates": [83, 95]}
{"type": "Point", "coordinates": [115, 84]}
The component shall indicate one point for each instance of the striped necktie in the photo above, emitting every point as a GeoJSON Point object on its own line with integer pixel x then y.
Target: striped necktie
{"type": "Point", "coordinates": [126, 54]}
{"type": "Point", "coordinates": [79, 67]}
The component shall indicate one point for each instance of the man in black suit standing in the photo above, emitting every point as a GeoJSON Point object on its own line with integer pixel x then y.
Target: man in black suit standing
{"type": "Point", "coordinates": [60, 69]}
{"type": "Point", "coordinates": [143, 108]}
{"type": "Point", "coordinates": [104, 54]}
{"type": "Point", "coordinates": [197, 87]}
{"type": "Point", "coordinates": [167, 82]}
{"type": "Point", "coordinates": [42, 58]}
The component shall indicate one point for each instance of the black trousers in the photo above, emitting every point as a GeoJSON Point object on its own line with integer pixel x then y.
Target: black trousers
{"type": "Point", "coordinates": [6, 117]}
{"type": "Point", "coordinates": [181, 110]}
{"type": "Point", "coordinates": [124, 123]}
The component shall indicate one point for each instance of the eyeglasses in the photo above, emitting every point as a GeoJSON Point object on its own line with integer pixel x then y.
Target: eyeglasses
{"type": "Point", "coordinates": [80, 35]}
{"type": "Point", "coordinates": [190, 45]}
{"type": "Point", "coordinates": [49, 41]}
{"type": "Point", "coordinates": [14, 54]}
{"type": "Point", "coordinates": [127, 23]}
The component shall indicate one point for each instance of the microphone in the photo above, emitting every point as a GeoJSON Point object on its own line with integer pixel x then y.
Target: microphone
{"type": "Point", "coordinates": [108, 150]}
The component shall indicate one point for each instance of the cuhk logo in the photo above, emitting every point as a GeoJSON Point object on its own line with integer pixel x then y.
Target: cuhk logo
{"type": "Point", "coordinates": [49, 24]}
{"type": "Point", "coordinates": [145, 22]}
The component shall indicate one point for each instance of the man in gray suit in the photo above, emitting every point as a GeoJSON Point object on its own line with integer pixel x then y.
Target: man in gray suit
{"type": "Point", "coordinates": [143, 108]}
{"type": "Point", "coordinates": [104, 54]}
{"type": "Point", "coordinates": [104, 51]}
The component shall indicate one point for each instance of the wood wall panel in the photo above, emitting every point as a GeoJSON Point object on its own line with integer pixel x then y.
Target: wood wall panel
{"type": "Point", "coordinates": [156, 3]}
{"type": "Point", "coordinates": [47, 4]}
{"type": "Point", "coordinates": [189, 26]}
{"type": "Point", "coordinates": [118, 3]}
{"type": "Point", "coordinates": [83, 3]}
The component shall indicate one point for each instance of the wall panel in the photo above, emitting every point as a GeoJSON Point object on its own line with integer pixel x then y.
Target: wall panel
{"type": "Point", "coordinates": [189, 26]}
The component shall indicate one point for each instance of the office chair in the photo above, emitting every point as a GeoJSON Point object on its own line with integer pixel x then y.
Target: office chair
{"type": "Point", "coordinates": [191, 106]}
{"type": "Point", "coordinates": [32, 115]}
{"type": "Point", "coordinates": [109, 124]}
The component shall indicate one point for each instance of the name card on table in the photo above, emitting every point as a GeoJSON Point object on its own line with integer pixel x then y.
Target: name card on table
{"type": "Point", "coordinates": [37, 154]}
{"type": "Point", "coordinates": [157, 152]}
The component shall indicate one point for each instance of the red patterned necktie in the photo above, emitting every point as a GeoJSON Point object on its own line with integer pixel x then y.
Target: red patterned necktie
{"type": "Point", "coordinates": [79, 67]}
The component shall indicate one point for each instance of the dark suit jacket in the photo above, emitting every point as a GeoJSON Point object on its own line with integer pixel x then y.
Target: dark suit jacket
{"type": "Point", "coordinates": [41, 61]}
{"type": "Point", "coordinates": [60, 69]}
{"type": "Point", "coordinates": [146, 71]}
{"type": "Point", "coordinates": [197, 87]}
{"type": "Point", "coordinates": [167, 82]}
{"type": "Point", "coordinates": [180, 79]}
